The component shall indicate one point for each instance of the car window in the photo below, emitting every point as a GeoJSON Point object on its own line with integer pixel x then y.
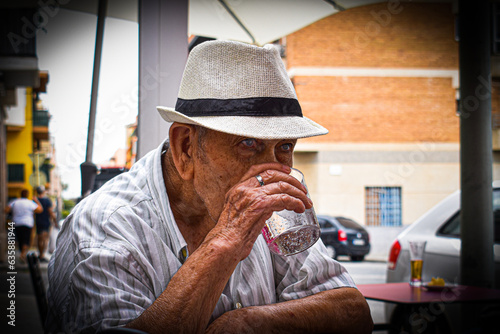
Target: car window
{"type": "Point", "coordinates": [323, 223]}
{"type": "Point", "coordinates": [348, 223]}
{"type": "Point", "coordinates": [452, 227]}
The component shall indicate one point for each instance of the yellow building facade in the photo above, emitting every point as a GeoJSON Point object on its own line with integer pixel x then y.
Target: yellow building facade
{"type": "Point", "coordinates": [19, 148]}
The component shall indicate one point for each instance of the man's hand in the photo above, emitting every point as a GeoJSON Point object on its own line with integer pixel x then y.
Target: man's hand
{"type": "Point", "coordinates": [191, 295]}
{"type": "Point", "coordinates": [248, 204]}
{"type": "Point", "coordinates": [39, 209]}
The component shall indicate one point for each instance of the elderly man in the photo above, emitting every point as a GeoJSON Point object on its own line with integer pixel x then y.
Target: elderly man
{"type": "Point", "coordinates": [175, 244]}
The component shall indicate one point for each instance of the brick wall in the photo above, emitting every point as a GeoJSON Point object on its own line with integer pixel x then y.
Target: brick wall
{"type": "Point", "coordinates": [379, 109]}
{"type": "Point", "coordinates": [495, 102]}
{"type": "Point", "coordinates": [363, 109]}
{"type": "Point", "coordinates": [419, 35]}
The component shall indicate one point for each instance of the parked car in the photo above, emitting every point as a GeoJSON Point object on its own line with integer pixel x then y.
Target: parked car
{"type": "Point", "coordinates": [440, 227]}
{"type": "Point", "coordinates": [343, 236]}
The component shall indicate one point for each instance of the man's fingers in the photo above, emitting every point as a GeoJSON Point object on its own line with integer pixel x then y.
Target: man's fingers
{"type": "Point", "coordinates": [265, 174]}
{"type": "Point", "coordinates": [287, 190]}
{"type": "Point", "coordinates": [262, 168]}
{"type": "Point", "coordinates": [271, 176]}
{"type": "Point", "coordinates": [275, 196]}
{"type": "Point", "coordinates": [272, 188]}
{"type": "Point", "coordinates": [280, 201]}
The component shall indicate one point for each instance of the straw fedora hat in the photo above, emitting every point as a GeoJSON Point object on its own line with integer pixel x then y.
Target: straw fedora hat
{"type": "Point", "coordinates": [240, 89]}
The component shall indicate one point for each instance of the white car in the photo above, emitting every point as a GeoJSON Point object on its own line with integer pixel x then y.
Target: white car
{"type": "Point", "coordinates": [440, 227]}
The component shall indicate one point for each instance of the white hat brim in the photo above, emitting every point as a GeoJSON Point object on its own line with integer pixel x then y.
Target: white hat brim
{"type": "Point", "coordinates": [260, 127]}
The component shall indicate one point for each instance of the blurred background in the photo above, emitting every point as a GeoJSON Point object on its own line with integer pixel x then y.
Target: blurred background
{"type": "Point", "coordinates": [382, 76]}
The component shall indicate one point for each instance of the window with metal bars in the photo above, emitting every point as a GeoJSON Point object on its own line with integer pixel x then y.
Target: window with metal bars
{"type": "Point", "coordinates": [15, 172]}
{"type": "Point", "coordinates": [383, 206]}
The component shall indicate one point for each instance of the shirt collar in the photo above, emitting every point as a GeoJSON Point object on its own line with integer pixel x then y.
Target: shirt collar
{"type": "Point", "coordinates": [160, 199]}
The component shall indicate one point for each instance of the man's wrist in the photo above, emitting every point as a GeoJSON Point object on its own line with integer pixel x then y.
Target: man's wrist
{"type": "Point", "coordinates": [219, 245]}
{"type": "Point", "coordinates": [230, 247]}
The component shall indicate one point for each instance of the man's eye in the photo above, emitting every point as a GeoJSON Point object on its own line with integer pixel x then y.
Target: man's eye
{"type": "Point", "coordinates": [287, 147]}
{"type": "Point", "coordinates": [250, 142]}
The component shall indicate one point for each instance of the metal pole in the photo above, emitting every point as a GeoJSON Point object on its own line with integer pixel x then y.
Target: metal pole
{"type": "Point", "coordinates": [163, 50]}
{"type": "Point", "coordinates": [3, 184]}
{"type": "Point", "coordinates": [88, 168]}
{"type": "Point", "coordinates": [101, 15]}
{"type": "Point", "coordinates": [477, 259]}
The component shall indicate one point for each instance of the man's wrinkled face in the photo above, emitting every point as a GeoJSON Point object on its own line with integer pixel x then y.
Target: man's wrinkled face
{"type": "Point", "coordinates": [222, 159]}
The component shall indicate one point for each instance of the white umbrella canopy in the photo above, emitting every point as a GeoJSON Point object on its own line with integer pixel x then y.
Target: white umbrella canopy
{"type": "Point", "coordinates": [253, 21]}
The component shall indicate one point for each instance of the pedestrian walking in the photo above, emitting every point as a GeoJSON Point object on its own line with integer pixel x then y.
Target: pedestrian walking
{"type": "Point", "coordinates": [44, 222]}
{"type": "Point", "coordinates": [22, 210]}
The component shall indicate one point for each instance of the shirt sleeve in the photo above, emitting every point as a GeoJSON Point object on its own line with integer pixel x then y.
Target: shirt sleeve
{"type": "Point", "coordinates": [308, 273]}
{"type": "Point", "coordinates": [108, 289]}
{"type": "Point", "coordinates": [114, 271]}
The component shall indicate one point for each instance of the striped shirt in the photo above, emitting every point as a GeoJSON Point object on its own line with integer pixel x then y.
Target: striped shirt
{"type": "Point", "coordinates": [120, 247]}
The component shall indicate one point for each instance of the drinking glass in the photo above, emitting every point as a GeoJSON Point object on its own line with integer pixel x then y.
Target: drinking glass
{"type": "Point", "coordinates": [288, 232]}
{"type": "Point", "coordinates": [417, 248]}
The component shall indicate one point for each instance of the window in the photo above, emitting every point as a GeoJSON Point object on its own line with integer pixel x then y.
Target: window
{"type": "Point", "coordinates": [383, 206]}
{"type": "Point", "coordinates": [323, 223]}
{"type": "Point", "coordinates": [15, 173]}
{"type": "Point", "coordinates": [348, 223]}
{"type": "Point", "coordinates": [452, 227]}
{"type": "Point", "coordinates": [45, 168]}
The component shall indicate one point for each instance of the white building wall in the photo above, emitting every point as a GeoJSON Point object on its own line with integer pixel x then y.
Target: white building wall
{"type": "Point", "coordinates": [337, 175]}
{"type": "Point", "coordinates": [16, 113]}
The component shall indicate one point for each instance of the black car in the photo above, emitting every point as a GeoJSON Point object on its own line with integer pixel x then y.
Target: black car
{"type": "Point", "coordinates": [343, 236]}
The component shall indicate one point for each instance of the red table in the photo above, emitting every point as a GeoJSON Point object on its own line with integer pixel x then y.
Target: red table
{"type": "Point", "coordinates": [403, 293]}
{"type": "Point", "coordinates": [410, 300]}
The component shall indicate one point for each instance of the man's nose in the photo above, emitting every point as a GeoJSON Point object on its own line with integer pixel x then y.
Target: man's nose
{"type": "Point", "coordinates": [269, 155]}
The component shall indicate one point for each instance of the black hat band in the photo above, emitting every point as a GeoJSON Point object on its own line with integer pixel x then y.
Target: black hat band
{"type": "Point", "coordinates": [256, 106]}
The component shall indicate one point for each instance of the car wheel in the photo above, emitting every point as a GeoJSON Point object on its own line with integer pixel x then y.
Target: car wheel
{"type": "Point", "coordinates": [331, 252]}
{"type": "Point", "coordinates": [357, 258]}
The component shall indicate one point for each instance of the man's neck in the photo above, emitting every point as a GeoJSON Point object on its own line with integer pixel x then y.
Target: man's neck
{"type": "Point", "coordinates": [190, 213]}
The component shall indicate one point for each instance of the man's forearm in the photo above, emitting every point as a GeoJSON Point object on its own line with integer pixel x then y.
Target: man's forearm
{"type": "Point", "coordinates": [190, 297]}
{"type": "Point", "coordinates": [342, 310]}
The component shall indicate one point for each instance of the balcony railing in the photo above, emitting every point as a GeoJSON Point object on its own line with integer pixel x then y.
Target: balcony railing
{"type": "Point", "coordinates": [41, 118]}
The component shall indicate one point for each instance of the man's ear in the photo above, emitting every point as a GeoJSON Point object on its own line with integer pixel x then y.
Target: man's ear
{"type": "Point", "coordinates": [182, 138]}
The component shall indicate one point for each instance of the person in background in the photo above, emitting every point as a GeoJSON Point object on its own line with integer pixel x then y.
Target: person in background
{"type": "Point", "coordinates": [22, 210]}
{"type": "Point", "coordinates": [44, 221]}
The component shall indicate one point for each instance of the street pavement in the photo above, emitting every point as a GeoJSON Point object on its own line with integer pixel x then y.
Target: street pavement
{"type": "Point", "coordinates": [25, 310]}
